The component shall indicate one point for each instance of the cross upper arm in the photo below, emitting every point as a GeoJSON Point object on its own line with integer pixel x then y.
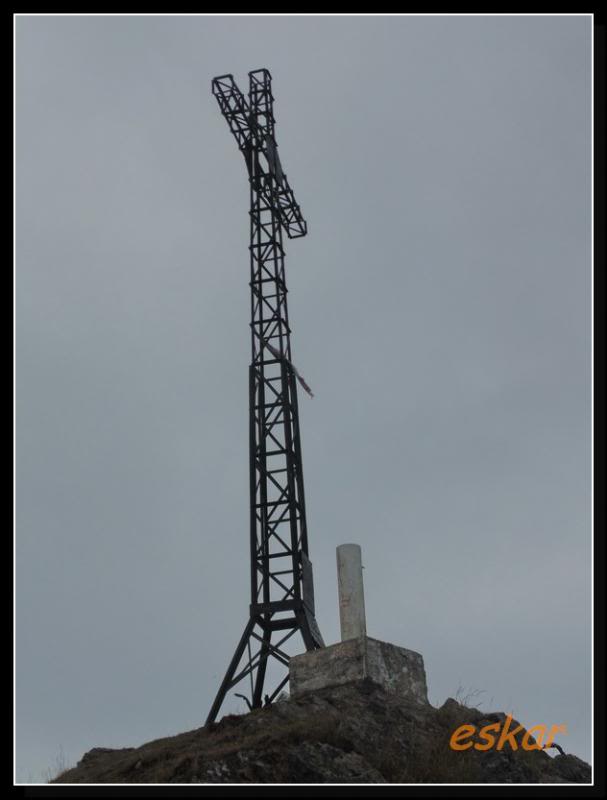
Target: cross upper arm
{"type": "Point", "coordinates": [235, 109]}
{"type": "Point", "coordinates": [250, 135]}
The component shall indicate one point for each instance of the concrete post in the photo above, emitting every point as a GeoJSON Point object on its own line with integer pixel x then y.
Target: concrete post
{"type": "Point", "coordinates": [351, 595]}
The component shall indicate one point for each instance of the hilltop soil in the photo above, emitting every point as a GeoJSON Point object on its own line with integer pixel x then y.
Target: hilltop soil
{"type": "Point", "coordinates": [357, 733]}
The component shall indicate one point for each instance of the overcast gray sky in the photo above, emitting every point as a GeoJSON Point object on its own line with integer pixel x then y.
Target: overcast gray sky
{"type": "Point", "coordinates": [440, 308]}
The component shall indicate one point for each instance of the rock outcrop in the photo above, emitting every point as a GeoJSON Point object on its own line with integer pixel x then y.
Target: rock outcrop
{"type": "Point", "coordinates": [354, 733]}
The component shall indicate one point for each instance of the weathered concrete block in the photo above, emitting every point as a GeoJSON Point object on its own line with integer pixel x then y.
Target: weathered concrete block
{"type": "Point", "coordinates": [396, 669]}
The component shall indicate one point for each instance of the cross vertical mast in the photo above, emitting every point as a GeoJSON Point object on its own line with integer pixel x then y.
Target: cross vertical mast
{"type": "Point", "coordinates": [282, 596]}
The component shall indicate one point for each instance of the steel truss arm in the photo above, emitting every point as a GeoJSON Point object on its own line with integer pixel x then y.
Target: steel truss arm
{"type": "Point", "coordinates": [252, 134]}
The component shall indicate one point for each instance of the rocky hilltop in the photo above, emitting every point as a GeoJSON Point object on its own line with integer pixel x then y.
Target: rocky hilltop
{"type": "Point", "coordinates": [353, 733]}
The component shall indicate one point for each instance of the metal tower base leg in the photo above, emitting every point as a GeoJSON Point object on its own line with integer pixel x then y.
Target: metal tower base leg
{"type": "Point", "coordinates": [256, 662]}
{"type": "Point", "coordinates": [228, 680]}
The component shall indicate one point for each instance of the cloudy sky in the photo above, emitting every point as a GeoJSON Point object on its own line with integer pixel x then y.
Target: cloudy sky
{"type": "Point", "coordinates": [440, 308]}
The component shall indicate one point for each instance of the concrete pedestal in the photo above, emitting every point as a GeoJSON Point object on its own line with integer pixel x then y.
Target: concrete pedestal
{"type": "Point", "coordinates": [396, 669]}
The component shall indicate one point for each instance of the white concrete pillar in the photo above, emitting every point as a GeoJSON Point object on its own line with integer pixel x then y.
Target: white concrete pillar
{"type": "Point", "coordinates": [351, 595]}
